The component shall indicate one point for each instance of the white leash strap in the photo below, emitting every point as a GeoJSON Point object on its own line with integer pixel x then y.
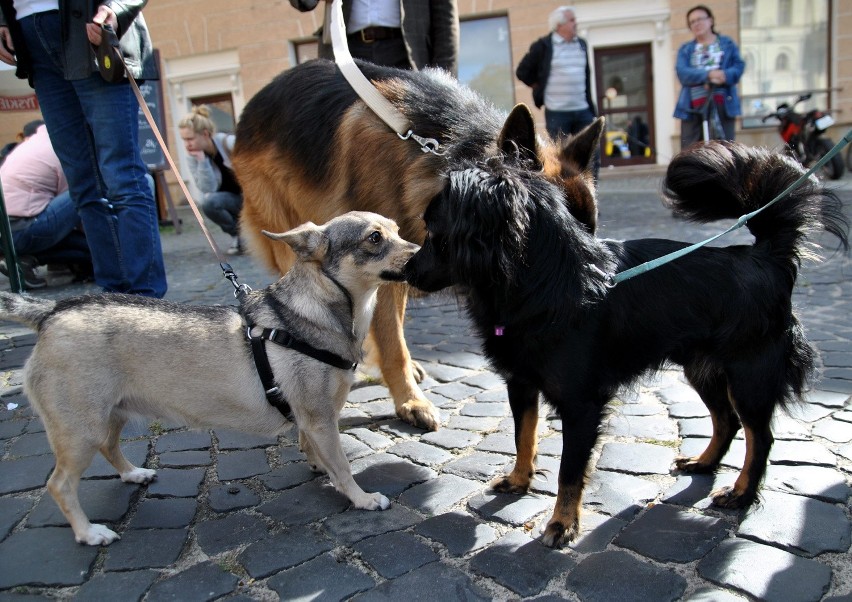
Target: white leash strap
{"type": "Point", "coordinates": [380, 105]}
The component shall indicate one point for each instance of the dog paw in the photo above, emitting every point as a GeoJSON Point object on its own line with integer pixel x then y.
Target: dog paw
{"type": "Point", "coordinates": [692, 465]}
{"type": "Point", "coordinates": [374, 501]}
{"type": "Point", "coordinates": [555, 535]}
{"type": "Point", "coordinates": [730, 497]}
{"type": "Point", "coordinates": [97, 535]}
{"type": "Point", "coordinates": [420, 413]}
{"type": "Point", "coordinates": [139, 475]}
{"type": "Point", "coordinates": [506, 484]}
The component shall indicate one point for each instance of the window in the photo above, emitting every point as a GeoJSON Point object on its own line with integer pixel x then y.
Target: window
{"type": "Point", "coordinates": [305, 50]}
{"type": "Point", "coordinates": [747, 13]}
{"type": "Point", "coordinates": [221, 111]}
{"type": "Point", "coordinates": [785, 13]}
{"type": "Point", "coordinates": [800, 54]}
{"type": "Point", "coordinates": [485, 59]}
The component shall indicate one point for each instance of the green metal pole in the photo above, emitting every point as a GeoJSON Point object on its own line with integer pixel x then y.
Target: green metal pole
{"type": "Point", "coordinates": [15, 279]}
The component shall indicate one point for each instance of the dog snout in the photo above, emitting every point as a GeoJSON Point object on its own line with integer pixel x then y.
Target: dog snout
{"type": "Point", "coordinates": [411, 250]}
{"type": "Point", "coordinates": [405, 251]}
{"type": "Point", "coordinates": [410, 271]}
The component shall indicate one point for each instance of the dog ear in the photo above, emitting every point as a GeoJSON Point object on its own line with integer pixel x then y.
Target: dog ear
{"type": "Point", "coordinates": [580, 149]}
{"type": "Point", "coordinates": [308, 241]}
{"type": "Point", "coordinates": [518, 136]}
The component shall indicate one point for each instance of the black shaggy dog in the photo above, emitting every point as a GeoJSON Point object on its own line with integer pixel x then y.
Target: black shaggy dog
{"type": "Point", "coordinates": [537, 293]}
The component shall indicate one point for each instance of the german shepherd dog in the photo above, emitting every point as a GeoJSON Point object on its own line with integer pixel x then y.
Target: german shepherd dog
{"type": "Point", "coordinates": [537, 292]}
{"type": "Point", "coordinates": [308, 149]}
{"type": "Point", "coordinates": [102, 358]}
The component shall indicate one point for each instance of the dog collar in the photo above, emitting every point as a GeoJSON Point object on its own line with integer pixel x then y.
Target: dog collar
{"type": "Point", "coordinates": [261, 361]}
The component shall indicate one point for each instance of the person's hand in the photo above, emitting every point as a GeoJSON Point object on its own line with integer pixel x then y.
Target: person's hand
{"type": "Point", "coordinates": [716, 76]}
{"type": "Point", "coordinates": [198, 154]}
{"type": "Point", "coordinates": [7, 48]}
{"type": "Point", "coordinates": [105, 15]}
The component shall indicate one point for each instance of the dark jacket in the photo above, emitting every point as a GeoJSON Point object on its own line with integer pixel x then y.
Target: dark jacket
{"type": "Point", "coordinates": [534, 69]}
{"type": "Point", "coordinates": [80, 57]}
{"type": "Point", "coordinates": [430, 29]}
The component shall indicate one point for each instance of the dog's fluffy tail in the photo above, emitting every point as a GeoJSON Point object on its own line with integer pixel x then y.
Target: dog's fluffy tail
{"type": "Point", "coordinates": [24, 309]}
{"type": "Point", "coordinates": [725, 180]}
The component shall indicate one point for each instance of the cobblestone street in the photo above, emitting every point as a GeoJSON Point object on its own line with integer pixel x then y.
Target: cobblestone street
{"type": "Point", "coordinates": [239, 517]}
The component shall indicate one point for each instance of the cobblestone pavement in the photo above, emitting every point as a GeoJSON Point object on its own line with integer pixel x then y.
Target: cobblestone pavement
{"type": "Point", "coordinates": [239, 517]}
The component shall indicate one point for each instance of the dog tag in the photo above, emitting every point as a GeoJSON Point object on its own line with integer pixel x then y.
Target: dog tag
{"type": "Point", "coordinates": [498, 331]}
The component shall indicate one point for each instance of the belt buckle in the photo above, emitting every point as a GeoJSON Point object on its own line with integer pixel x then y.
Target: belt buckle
{"type": "Point", "coordinates": [364, 37]}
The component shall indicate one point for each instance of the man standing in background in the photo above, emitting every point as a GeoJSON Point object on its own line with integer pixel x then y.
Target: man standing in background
{"type": "Point", "coordinates": [556, 67]}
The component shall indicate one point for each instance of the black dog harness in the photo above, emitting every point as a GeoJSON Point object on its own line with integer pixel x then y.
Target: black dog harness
{"type": "Point", "coordinates": [261, 360]}
{"type": "Point", "coordinates": [281, 337]}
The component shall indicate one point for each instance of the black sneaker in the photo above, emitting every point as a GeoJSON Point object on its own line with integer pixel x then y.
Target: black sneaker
{"type": "Point", "coordinates": [27, 265]}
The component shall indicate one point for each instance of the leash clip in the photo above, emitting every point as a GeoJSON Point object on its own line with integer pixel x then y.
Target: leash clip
{"type": "Point", "coordinates": [608, 280]}
{"type": "Point", "coordinates": [240, 290]}
{"type": "Point", "coordinates": [427, 145]}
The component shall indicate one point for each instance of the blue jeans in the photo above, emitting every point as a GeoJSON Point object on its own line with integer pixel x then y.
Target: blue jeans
{"type": "Point", "coordinates": [564, 123]}
{"type": "Point", "coordinates": [94, 128]}
{"type": "Point", "coordinates": [223, 209]}
{"type": "Point", "coordinates": [54, 236]}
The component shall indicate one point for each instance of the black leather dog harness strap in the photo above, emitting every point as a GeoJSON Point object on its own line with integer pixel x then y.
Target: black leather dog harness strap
{"type": "Point", "coordinates": [261, 360]}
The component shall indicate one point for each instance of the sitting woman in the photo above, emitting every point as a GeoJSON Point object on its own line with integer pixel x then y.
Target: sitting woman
{"type": "Point", "coordinates": [210, 165]}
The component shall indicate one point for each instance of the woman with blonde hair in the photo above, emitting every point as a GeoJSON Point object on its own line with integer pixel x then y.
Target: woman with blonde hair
{"type": "Point", "coordinates": [210, 165]}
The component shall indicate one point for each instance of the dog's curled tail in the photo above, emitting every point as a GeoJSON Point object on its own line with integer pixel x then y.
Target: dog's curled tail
{"type": "Point", "coordinates": [24, 309]}
{"type": "Point", "coordinates": [725, 180]}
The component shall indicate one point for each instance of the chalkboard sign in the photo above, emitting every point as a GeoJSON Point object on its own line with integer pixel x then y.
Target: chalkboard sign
{"type": "Point", "coordinates": [152, 154]}
{"type": "Point", "coordinates": [152, 92]}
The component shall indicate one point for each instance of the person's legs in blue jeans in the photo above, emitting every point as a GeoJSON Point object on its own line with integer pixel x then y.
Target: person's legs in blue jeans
{"type": "Point", "coordinates": [94, 130]}
{"type": "Point", "coordinates": [557, 123]}
{"type": "Point", "coordinates": [55, 231]}
{"type": "Point", "coordinates": [112, 113]}
{"type": "Point", "coordinates": [565, 123]}
{"type": "Point", "coordinates": [223, 209]}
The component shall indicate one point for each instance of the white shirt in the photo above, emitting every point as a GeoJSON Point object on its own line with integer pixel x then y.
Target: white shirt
{"type": "Point", "coordinates": [25, 8]}
{"type": "Point", "coordinates": [566, 84]}
{"type": "Point", "coordinates": [377, 13]}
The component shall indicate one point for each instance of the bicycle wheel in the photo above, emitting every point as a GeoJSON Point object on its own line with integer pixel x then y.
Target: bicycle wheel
{"type": "Point", "coordinates": [832, 170]}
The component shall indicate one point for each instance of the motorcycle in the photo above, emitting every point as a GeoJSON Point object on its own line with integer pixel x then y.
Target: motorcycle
{"type": "Point", "coordinates": [805, 137]}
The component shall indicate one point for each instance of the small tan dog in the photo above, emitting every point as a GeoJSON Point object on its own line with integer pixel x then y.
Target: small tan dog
{"type": "Point", "coordinates": [101, 359]}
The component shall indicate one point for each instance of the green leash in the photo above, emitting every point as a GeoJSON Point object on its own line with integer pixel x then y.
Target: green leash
{"type": "Point", "coordinates": [655, 263]}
